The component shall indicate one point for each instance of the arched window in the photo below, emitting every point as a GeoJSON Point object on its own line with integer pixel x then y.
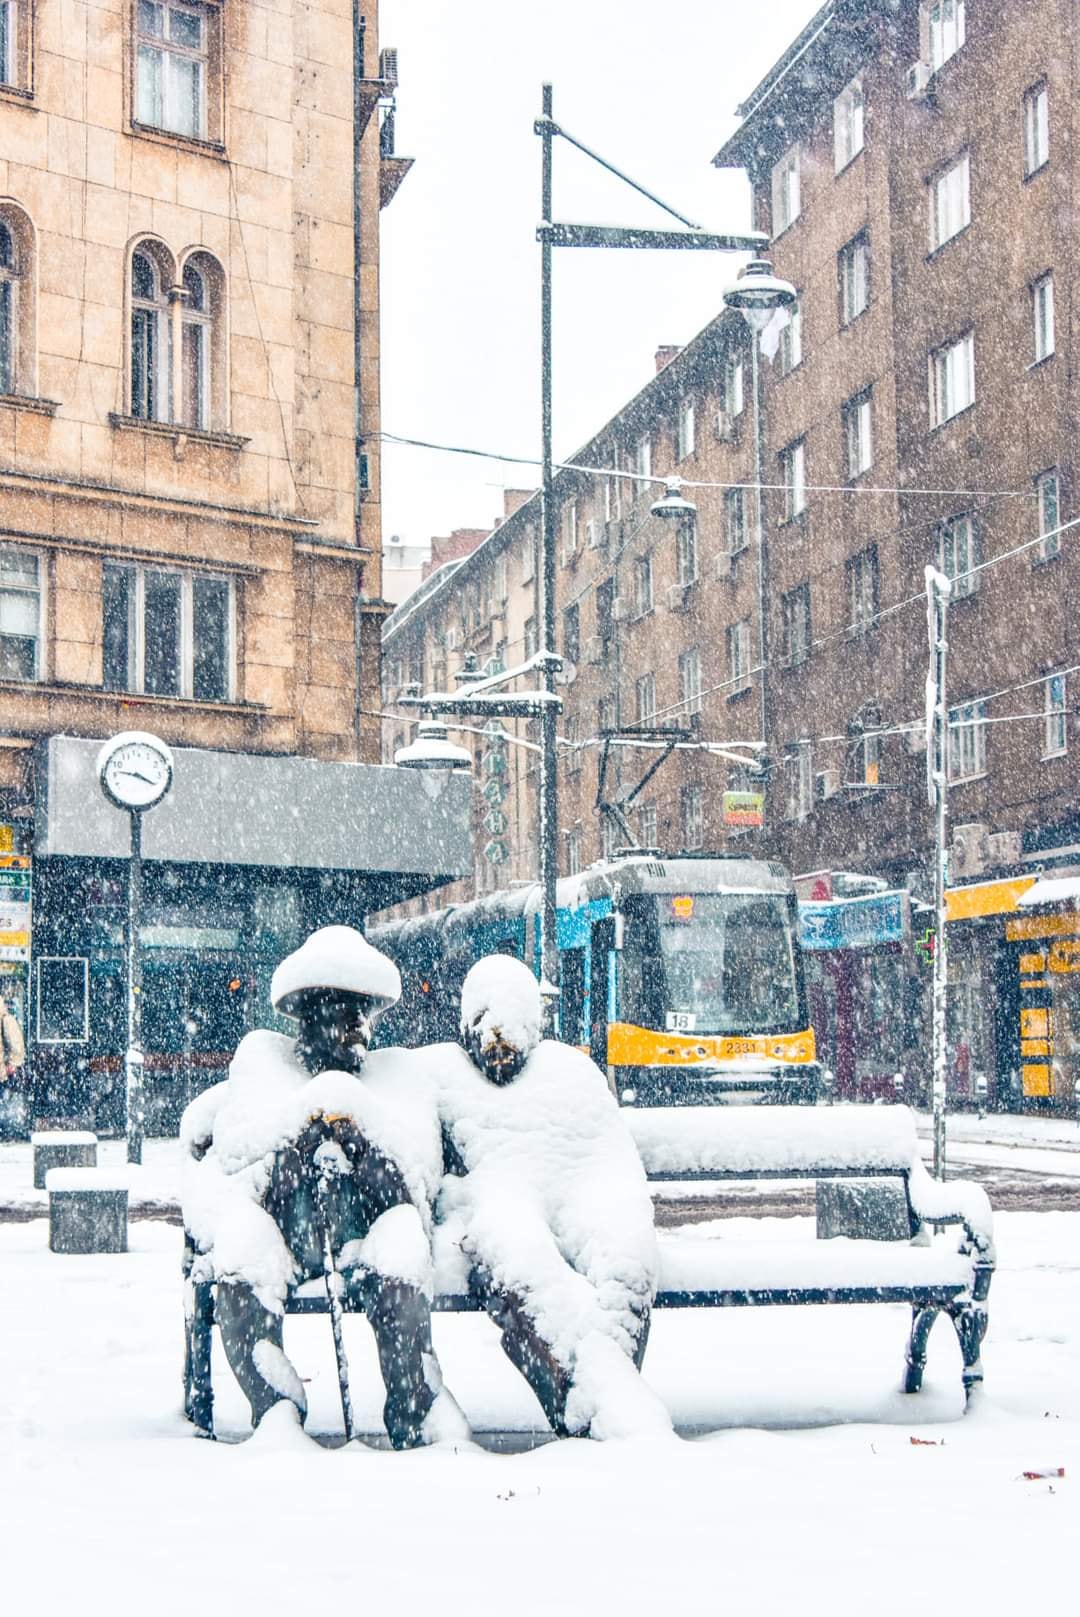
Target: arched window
{"type": "Point", "coordinates": [195, 355]}
{"type": "Point", "coordinates": [149, 340]}
{"type": "Point", "coordinates": [9, 276]}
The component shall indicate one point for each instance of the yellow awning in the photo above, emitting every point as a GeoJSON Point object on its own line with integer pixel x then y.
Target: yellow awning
{"type": "Point", "coordinates": [986, 898]}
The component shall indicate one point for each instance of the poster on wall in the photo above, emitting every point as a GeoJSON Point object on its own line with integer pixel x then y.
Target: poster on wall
{"type": "Point", "coordinates": [14, 906]}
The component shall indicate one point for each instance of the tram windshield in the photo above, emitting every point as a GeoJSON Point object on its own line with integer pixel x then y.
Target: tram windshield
{"type": "Point", "coordinates": [715, 963]}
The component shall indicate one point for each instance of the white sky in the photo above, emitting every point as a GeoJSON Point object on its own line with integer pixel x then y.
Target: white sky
{"type": "Point", "coordinates": [460, 262]}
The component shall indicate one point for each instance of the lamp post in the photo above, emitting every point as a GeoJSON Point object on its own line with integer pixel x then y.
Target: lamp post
{"type": "Point", "coordinates": [757, 294]}
{"type": "Point", "coordinates": [135, 771]}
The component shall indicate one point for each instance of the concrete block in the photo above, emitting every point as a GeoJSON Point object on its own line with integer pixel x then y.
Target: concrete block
{"type": "Point", "coordinates": [61, 1148]}
{"type": "Point", "coordinates": [88, 1211]}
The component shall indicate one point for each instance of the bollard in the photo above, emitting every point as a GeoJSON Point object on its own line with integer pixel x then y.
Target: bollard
{"type": "Point", "coordinates": [981, 1091]}
{"type": "Point", "coordinates": [88, 1210]}
{"type": "Point", "coordinates": [61, 1148]}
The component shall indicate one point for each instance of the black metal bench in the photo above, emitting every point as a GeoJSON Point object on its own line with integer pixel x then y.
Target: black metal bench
{"type": "Point", "coordinates": [728, 1144]}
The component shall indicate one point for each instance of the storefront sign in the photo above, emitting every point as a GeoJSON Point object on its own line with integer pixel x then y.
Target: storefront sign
{"type": "Point", "coordinates": [15, 925]}
{"type": "Point", "coordinates": [855, 923]}
{"type": "Point", "coordinates": [744, 809]}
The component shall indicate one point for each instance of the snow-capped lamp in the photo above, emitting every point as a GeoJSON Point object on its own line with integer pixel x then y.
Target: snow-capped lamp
{"type": "Point", "coordinates": [432, 749]}
{"type": "Point", "coordinates": [758, 293]}
{"type": "Point", "coordinates": [673, 504]}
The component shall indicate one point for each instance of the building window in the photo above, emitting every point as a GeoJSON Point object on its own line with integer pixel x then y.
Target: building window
{"type": "Point", "coordinates": [945, 30]}
{"type": "Point", "coordinates": [952, 379]}
{"type": "Point", "coordinates": [734, 385]}
{"type": "Point", "coordinates": [967, 741]}
{"type": "Point", "coordinates": [685, 440]}
{"type": "Point", "coordinates": [1042, 309]}
{"type": "Point", "coordinates": [605, 616]}
{"type": "Point", "coordinates": [569, 531]}
{"type": "Point", "coordinates": [605, 715]}
{"type": "Point", "coordinates": [573, 853]}
{"type": "Point", "coordinates": [17, 293]}
{"type": "Point", "coordinates": [858, 434]}
{"type": "Point", "coordinates": [528, 559]}
{"type": "Point", "coordinates": [795, 606]}
{"type": "Point", "coordinates": [172, 56]}
{"type": "Point", "coordinates": [793, 479]}
{"type": "Point", "coordinates": [789, 345]}
{"type": "Point", "coordinates": [9, 18]}
{"type": "Point", "coordinates": [854, 279]}
{"type": "Point", "coordinates": [799, 781]}
{"type": "Point", "coordinates": [848, 124]}
{"type": "Point", "coordinates": [149, 340]}
{"type": "Point", "coordinates": [195, 350]}
{"type": "Point", "coordinates": [643, 586]}
{"type": "Point", "coordinates": [959, 555]}
{"type": "Point", "coordinates": [738, 650]}
{"type": "Point", "coordinates": [647, 825]}
{"type": "Point", "coordinates": [571, 633]}
{"type": "Point", "coordinates": [786, 199]}
{"type": "Point", "coordinates": [691, 803]}
{"type": "Point", "coordinates": [642, 462]}
{"type": "Point", "coordinates": [20, 614]}
{"type": "Point", "coordinates": [1036, 129]}
{"type": "Point", "coordinates": [167, 633]}
{"type": "Point", "coordinates": [863, 589]}
{"type": "Point", "coordinates": [530, 639]}
{"type": "Point", "coordinates": [735, 519]}
{"type": "Point", "coordinates": [686, 553]}
{"type": "Point", "coordinates": [645, 698]}
{"type": "Point", "coordinates": [572, 753]}
{"type": "Point", "coordinates": [9, 293]}
{"type": "Point", "coordinates": [1055, 733]}
{"type": "Point", "coordinates": [950, 202]}
{"type": "Point", "coordinates": [1046, 496]}
{"type": "Point", "coordinates": [690, 681]}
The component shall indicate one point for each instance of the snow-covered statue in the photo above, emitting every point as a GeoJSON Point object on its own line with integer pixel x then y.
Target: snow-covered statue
{"type": "Point", "coordinates": [545, 1209]}
{"type": "Point", "coordinates": [301, 1160]}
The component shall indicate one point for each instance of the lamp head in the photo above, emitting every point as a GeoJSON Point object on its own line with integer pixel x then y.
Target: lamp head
{"type": "Point", "coordinates": [672, 504]}
{"type": "Point", "coordinates": [758, 293]}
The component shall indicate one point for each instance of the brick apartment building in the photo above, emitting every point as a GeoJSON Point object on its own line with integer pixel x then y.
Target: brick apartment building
{"type": "Point", "coordinates": [189, 509]}
{"type": "Point", "coordinates": [912, 165]}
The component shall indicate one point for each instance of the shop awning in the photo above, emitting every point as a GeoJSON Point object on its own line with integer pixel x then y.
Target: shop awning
{"type": "Point", "coordinates": [1051, 890]}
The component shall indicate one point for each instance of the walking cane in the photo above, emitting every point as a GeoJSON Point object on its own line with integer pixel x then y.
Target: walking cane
{"type": "Point", "coordinates": [324, 1167]}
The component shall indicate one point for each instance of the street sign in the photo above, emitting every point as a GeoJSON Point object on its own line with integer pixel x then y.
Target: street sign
{"type": "Point", "coordinates": [496, 852]}
{"type": "Point", "coordinates": [743, 808]}
{"type": "Point", "coordinates": [494, 763]}
{"type": "Point", "coordinates": [495, 790]}
{"type": "Point", "coordinates": [496, 822]}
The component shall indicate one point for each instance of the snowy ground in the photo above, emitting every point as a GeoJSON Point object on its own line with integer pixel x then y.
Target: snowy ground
{"type": "Point", "coordinates": [803, 1493]}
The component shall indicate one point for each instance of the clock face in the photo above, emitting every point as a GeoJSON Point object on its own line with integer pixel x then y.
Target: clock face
{"type": "Point", "coordinates": [136, 774]}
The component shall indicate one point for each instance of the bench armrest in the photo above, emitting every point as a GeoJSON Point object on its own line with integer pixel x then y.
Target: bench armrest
{"type": "Point", "coordinates": [956, 1201]}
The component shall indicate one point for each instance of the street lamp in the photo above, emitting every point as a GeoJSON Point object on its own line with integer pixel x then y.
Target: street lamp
{"type": "Point", "coordinates": [672, 504]}
{"type": "Point", "coordinates": [757, 294]}
{"type": "Point", "coordinates": [432, 748]}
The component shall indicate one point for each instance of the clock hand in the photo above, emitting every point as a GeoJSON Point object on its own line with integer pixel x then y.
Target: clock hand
{"type": "Point", "coordinates": [136, 775]}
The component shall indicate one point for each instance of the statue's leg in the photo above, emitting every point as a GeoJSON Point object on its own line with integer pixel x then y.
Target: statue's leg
{"type": "Point", "coordinates": [529, 1353]}
{"type": "Point", "coordinates": [252, 1337]}
{"type": "Point", "coordinates": [401, 1320]}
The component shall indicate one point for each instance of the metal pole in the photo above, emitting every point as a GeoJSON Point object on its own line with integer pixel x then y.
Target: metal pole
{"type": "Point", "coordinates": [133, 1058]}
{"type": "Point", "coordinates": [759, 536]}
{"type": "Point", "coordinates": [938, 589]}
{"type": "Point", "coordinates": [549, 806]}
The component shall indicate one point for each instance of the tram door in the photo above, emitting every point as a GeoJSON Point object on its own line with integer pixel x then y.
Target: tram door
{"type": "Point", "coordinates": [603, 942]}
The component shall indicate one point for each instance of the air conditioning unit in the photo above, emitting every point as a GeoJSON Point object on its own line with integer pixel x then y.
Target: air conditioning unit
{"type": "Point", "coordinates": [594, 649]}
{"type": "Point", "coordinates": [1005, 847]}
{"type": "Point", "coordinates": [677, 597]}
{"type": "Point", "coordinates": [726, 428]}
{"type": "Point", "coordinates": [453, 639]}
{"type": "Point", "coordinates": [620, 610]}
{"type": "Point", "coordinates": [970, 851]}
{"type": "Point", "coordinates": [594, 534]}
{"type": "Point", "coordinates": [826, 784]}
{"type": "Point", "coordinates": [917, 81]}
{"type": "Point", "coordinates": [725, 565]}
{"type": "Point", "coordinates": [388, 67]}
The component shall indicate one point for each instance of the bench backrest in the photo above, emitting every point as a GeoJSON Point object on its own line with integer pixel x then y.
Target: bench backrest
{"type": "Point", "coordinates": [773, 1142]}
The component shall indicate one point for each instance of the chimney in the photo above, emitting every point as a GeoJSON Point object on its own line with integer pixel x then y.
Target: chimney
{"type": "Point", "coordinates": [665, 354]}
{"type": "Point", "coordinates": [514, 499]}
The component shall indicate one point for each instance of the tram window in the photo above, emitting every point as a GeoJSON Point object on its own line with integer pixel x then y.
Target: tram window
{"type": "Point", "coordinates": [572, 995]}
{"type": "Point", "coordinates": [63, 1010]}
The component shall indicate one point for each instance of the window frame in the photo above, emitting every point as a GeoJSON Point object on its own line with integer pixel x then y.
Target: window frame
{"type": "Point", "coordinates": [859, 433]}
{"type": "Point", "coordinates": [686, 553]}
{"type": "Point", "coordinates": [849, 106]}
{"type": "Point", "coordinates": [645, 698]}
{"type": "Point", "coordinates": [1036, 128]}
{"type": "Point", "coordinates": [939, 26]}
{"type": "Point", "coordinates": [792, 458]}
{"type": "Point", "coordinates": [1055, 717]}
{"type": "Point", "coordinates": [939, 379]}
{"type": "Point", "coordinates": [692, 815]}
{"type": "Point", "coordinates": [785, 185]}
{"type": "Point", "coordinates": [644, 593]}
{"type": "Point", "coordinates": [789, 343]}
{"type": "Point", "coordinates": [210, 56]}
{"type": "Point", "coordinates": [684, 431]}
{"type": "Point", "coordinates": [863, 580]}
{"type": "Point", "coordinates": [734, 385]}
{"type": "Point", "coordinates": [41, 573]}
{"type": "Point", "coordinates": [690, 680]}
{"type": "Point", "coordinates": [138, 631]}
{"type": "Point", "coordinates": [738, 655]}
{"type": "Point", "coordinates": [1042, 317]}
{"type": "Point", "coordinates": [1049, 533]}
{"type": "Point", "coordinates": [795, 609]}
{"type": "Point", "coordinates": [966, 741]}
{"type": "Point", "coordinates": [942, 201]}
{"type": "Point", "coordinates": [735, 517]}
{"type": "Point", "coordinates": [964, 579]}
{"type": "Point", "coordinates": [853, 262]}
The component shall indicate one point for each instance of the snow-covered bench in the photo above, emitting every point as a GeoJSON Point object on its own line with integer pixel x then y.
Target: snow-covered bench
{"type": "Point", "coordinates": [930, 1272]}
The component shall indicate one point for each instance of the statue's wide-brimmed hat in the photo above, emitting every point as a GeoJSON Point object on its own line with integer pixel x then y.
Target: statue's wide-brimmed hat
{"type": "Point", "coordinates": [335, 957]}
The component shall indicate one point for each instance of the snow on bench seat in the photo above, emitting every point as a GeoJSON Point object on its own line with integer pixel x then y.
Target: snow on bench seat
{"type": "Point", "coordinates": [705, 1264]}
{"type": "Point", "coordinates": [772, 1141]}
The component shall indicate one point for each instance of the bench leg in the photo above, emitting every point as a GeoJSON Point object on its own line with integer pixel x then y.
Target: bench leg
{"type": "Point", "coordinates": [921, 1321]}
{"type": "Point", "coordinates": [970, 1321]}
{"type": "Point", "coordinates": [198, 1337]}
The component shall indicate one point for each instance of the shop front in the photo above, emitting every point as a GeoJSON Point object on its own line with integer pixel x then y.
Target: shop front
{"type": "Point", "coordinates": [245, 857]}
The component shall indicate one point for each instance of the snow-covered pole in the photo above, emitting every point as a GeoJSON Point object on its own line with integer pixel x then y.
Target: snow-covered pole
{"type": "Point", "coordinates": [549, 800]}
{"type": "Point", "coordinates": [938, 589]}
